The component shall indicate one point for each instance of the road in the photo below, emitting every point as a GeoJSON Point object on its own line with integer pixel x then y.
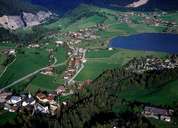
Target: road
{"type": "Point", "coordinates": [32, 74]}
{"type": "Point", "coordinates": [82, 66]}
{"type": "Point", "coordinates": [41, 69]}
{"type": "Point", "coordinates": [7, 68]}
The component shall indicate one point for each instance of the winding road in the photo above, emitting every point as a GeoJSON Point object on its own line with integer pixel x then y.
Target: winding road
{"type": "Point", "coordinates": [32, 74]}
{"type": "Point", "coordinates": [41, 69]}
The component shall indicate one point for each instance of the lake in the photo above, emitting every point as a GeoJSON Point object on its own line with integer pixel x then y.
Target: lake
{"type": "Point", "coordinates": [162, 42]}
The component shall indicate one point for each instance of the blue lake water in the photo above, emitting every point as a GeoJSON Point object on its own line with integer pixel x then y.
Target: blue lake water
{"type": "Point", "coordinates": [148, 42]}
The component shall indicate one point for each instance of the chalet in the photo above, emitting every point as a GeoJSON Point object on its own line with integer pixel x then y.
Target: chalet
{"type": "Point", "coordinates": [84, 84]}
{"type": "Point", "coordinates": [41, 97]}
{"type": "Point", "coordinates": [12, 52]}
{"type": "Point", "coordinates": [10, 108]}
{"type": "Point", "coordinates": [84, 60]}
{"type": "Point", "coordinates": [7, 107]}
{"type": "Point", "coordinates": [53, 108]}
{"type": "Point", "coordinates": [4, 96]}
{"type": "Point", "coordinates": [28, 101]}
{"type": "Point", "coordinates": [60, 90]}
{"type": "Point", "coordinates": [33, 46]}
{"type": "Point", "coordinates": [49, 71]}
{"type": "Point", "coordinates": [158, 113]}
{"type": "Point", "coordinates": [41, 109]}
{"type": "Point", "coordinates": [45, 98]}
{"type": "Point", "coordinates": [110, 49]}
{"type": "Point", "coordinates": [64, 103]}
{"type": "Point", "coordinates": [59, 42]}
{"type": "Point", "coordinates": [15, 100]}
{"type": "Point", "coordinates": [69, 53]}
{"type": "Point", "coordinates": [87, 82]}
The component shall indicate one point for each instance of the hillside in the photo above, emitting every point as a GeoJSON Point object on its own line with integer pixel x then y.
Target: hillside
{"type": "Point", "coordinates": [15, 7]}
{"type": "Point", "coordinates": [66, 5]}
{"type": "Point", "coordinates": [104, 98]}
{"type": "Point", "coordinates": [23, 14]}
{"type": "Point", "coordinates": [103, 103]}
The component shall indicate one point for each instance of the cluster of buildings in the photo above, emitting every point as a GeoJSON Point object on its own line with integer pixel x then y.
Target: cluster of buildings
{"type": "Point", "coordinates": [140, 65]}
{"type": "Point", "coordinates": [15, 103]}
{"type": "Point", "coordinates": [9, 52]}
{"type": "Point", "coordinates": [42, 102]}
{"type": "Point", "coordinates": [51, 59]}
{"type": "Point", "coordinates": [151, 18]}
{"type": "Point", "coordinates": [158, 113]}
{"type": "Point", "coordinates": [33, 46]}
{"type": "Point", "coordinates": [48, 71]}
{"type": "Point", "coordinates": [87, 33]}
{"type": "Point", "coordinates": [157, 21]}
{"type": "Point", "coordinates": [46, 103]}
{"type": "Point", "coordinates": [75, 64]}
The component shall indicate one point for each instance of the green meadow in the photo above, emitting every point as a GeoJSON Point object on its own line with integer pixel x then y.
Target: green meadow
{"type": "Point", "coordinates": [25, 63]}
{"type": "Point", "coordinates": [30, 60]}
{"type": "Point", "coordinates": [100, 60]}
{"type": "Point", "coordinates": [6, 117]}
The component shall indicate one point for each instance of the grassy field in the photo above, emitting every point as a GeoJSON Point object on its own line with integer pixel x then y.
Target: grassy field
{"type": "Point", "coordinates": [6, 117]}
{"type": "Point", "coordinates": [7, 45]}
{"type": "Point", "coordinates": [50, 83]}
{"type": "Point", "coordinates": [101, 60]}
{"type": "Point", "coordinates": [171, 17]}
{"type": "Point", "coordinates": [42, 82]}
{"type": "Point", "coordinates": [24, 64]}
{"type": "Point", "coordinates": [100, 53]}
{"type": "Point", "coordinates": [160, 123]}
{"type": "Point", "coordinates": [2, 59]}
{"type": "Point", "coordinates": [165, 95]}
{"type": "Point", "coordinates": [30, 61]}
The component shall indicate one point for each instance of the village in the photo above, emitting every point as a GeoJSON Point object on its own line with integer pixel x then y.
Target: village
{"type": "Point", "coordinates": [47, 103]}
{"type": "Point", "coordinates": [151, 18]}
{"type": "Point", "coordinates": [140, 65]}
{"type": "Point", "coordinates": [44, 102]}
{"type": "Point", "coordinates": [158, 113]}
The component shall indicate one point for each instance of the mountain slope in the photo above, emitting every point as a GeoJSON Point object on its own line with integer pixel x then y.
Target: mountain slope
{"type": "Point", "coordinates": [20, 13]}
{"type": "Point", "coordinates": [15, 7]}
{"type": "Point", "coordinates": [65, 5]}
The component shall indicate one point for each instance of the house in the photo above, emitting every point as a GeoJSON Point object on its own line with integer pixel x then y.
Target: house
{"type": "Point", "coordinates": [4, 96]}
{"type": "Point", "coordinates": [60, 90]}
{"type": "Point", "coordinates": [87, 82]}
{"type": "Point", "coordinates": [110, 49]}
{"type": "Point", "coordinates": [33, 46]}
{"type": "Point", "coordinates": [7, 107]}
{"type": "Point", "coordinates": [28, 101]}
{"type": "Point", "coordinates": [12, 52]}
{"type": "Point", "coordinates": [158, 113]}
{"type": "Point", "coordinates": [41, 109]}
{"type": "Point", "coordinates": [15, 100]}
{"type": "Point", "coordinates": [45, 98]}
{"type": "Point", "coordinates": [59, 42]}
{"type": "Point", "coordinates": [41, 97]}
{"type": "Point", "coordinates": [48, 71]}
{"type": "Point", "coordinates": [53, 108]}
{"type": "Point", "coordinates": [10, 108]}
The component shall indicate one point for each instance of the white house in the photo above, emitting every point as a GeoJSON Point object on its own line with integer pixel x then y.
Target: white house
{"type": "Point", "coordinates": [15, 99]}
{"type": "Point", "coordinates": [59, 42]}
{"type": "Point", "coordinates": [110, 49]}
{"type": "Point", "coordinates": [12, 52]}
{"type": "Point", "coordinates": [42, 109]}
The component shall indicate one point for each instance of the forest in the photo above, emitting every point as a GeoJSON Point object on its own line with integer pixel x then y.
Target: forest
{"type": "Point", "coordinates": [100, 106]}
